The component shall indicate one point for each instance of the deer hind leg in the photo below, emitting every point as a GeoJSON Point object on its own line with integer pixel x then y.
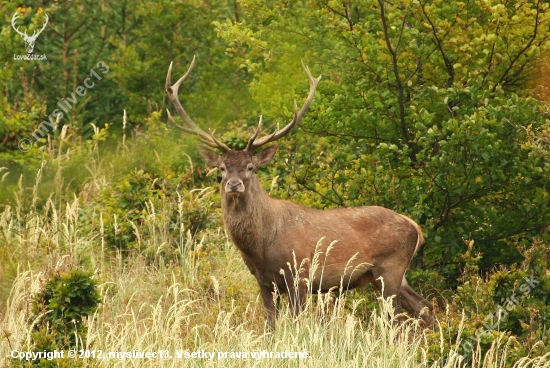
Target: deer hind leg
{"type": "Point", "coordinates": [415, 304]}
{"type": "Point", "coordinates": [390, 287]}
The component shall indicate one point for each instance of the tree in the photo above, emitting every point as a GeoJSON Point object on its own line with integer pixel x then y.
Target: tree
{"type": "Point", "coordinates": [215, 91]}
{"type": "Point", "coordinates": [125, 49]}
{"type": "Point", "coordinates": [419, 110]}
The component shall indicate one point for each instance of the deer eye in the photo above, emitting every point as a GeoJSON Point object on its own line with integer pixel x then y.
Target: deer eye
{"type": "Point", "coordinates": [250, 167]}
{"type": "Point", "coordinates": [222, 169]}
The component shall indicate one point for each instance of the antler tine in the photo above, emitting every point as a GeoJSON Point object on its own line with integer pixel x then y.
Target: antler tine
{"type": "Point", "coordinates": [182, 128]}
{"type": "Point", "coordinates": [43, 26]}
{"type": "Point", "coordinates": [15, 28]}
{"type": "Point", "coordinates": [219, 144]}
{"type": "Point", "coordinates": [172, 91]}
{"type": "Point", "coordinates": [209, 139]}
{"type": "Point", "coordinates": [298, 115]}
{"type": "Point", "coordinates": [249, 146]}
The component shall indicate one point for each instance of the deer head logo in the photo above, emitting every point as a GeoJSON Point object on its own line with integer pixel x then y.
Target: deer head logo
{"type": "Point", "coordinates": [29, 40]}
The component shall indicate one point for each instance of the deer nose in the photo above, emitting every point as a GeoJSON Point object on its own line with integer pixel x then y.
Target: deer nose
{"type": "Point", "coordinates": [235, 186]}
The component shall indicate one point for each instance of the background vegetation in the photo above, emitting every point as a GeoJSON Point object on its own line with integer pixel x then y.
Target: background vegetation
{"type": "Point", "coordinates": [438, 110]}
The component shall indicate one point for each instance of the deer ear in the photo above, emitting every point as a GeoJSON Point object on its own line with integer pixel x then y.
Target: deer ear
{"type": "Point", "coordinates": [265, 156]}
{"type": "Point", "coordinates": [210, 157]}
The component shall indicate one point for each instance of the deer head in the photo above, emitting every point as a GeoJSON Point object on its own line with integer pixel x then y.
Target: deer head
{"type": "Point", "coordinates": [238, 168]}
{"type": "Point", "coordinates": [29, 40]}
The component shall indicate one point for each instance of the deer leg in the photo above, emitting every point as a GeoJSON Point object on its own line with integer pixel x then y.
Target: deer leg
{"type": "Point", "coordinates": [389, 287]}
{"type": "Point", "coordinates": [271, 303]}
{"type": "Point", "coordinates": [415, 304]}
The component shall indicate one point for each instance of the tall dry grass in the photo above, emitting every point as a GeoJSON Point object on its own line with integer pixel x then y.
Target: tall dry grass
{"type": "Point", "coordinates": [192, 293]}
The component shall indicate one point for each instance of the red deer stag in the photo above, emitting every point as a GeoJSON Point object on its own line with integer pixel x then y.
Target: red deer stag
{"type": "Point", "coordinates": [373, 243]}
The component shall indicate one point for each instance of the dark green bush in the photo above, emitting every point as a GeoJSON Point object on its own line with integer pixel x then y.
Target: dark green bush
{"type": "Point", "coordinates": [59, 311]}
{"type": "Point", "coordinates": [512, 302]}
{"type": "Point", "coordinates": [61, 308]}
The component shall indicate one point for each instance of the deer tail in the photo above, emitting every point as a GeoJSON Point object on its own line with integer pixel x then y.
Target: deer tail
{"type": "Point", "coordinates": [420, 239]}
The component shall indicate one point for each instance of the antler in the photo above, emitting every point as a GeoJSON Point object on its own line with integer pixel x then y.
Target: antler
{"type": "Point", "coordinates": [172, 91]}
{"type": "Point", "coordinates": [16, 29]}
{"type": "Point", "coordinates": [36, 33]}
{"type": "Point", "coordinates": [254, 143]}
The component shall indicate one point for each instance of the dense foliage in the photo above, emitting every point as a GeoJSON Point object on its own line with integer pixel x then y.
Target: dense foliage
{"type": "Point", "coordinates": [438, 110]}
{"type": "Point", "coordinates": [420, 109]}
{"type": "Point", "coordinates": [424, 107]}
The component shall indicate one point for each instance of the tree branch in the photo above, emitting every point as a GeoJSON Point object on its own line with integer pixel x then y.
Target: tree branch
{"type": "Point", "coordinates": [505, 78]}
{"type": "Point", "coordinates": [398, 81]}
{"type": "Point", "coordinates": [439, 45]}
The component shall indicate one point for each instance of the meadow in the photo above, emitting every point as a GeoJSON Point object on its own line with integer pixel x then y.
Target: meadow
{"type": "Point", "coordinates": [171, 282]}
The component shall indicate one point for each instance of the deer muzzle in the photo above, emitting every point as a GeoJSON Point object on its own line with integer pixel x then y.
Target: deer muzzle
{"type": "Point", "coordinates": [234, 186]}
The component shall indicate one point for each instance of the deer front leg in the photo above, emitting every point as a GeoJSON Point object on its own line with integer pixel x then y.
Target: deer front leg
{"type": "Point", "coordinates": [271, 303]}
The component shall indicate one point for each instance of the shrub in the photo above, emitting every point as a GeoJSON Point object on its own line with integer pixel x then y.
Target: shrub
{"type": "Point", "coordinates": [511, 303]}
{"type": "Point", "coordinates": [61, 308]}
